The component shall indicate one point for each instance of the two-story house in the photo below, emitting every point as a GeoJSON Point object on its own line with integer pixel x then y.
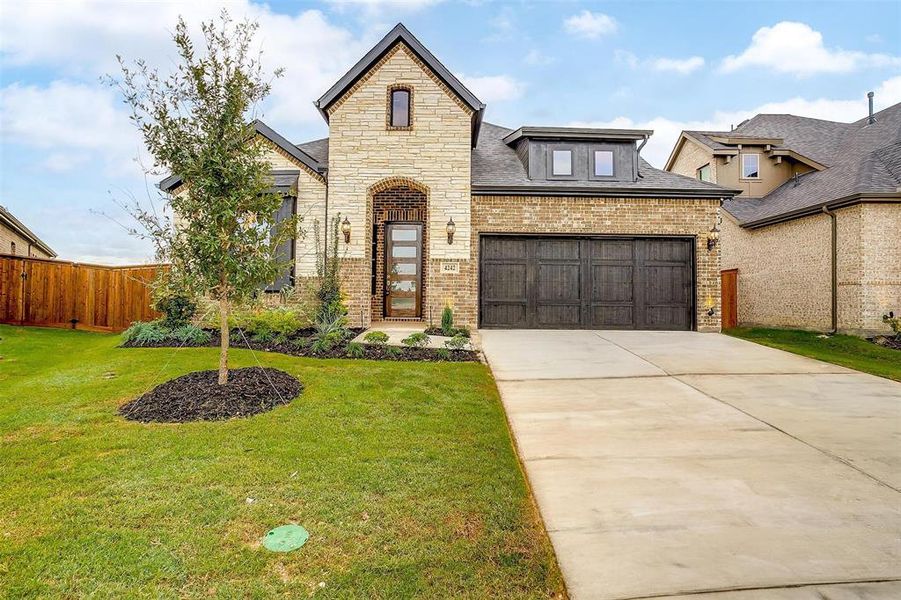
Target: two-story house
{"type": "Point", "coordinates": [814, 233]}
{"type": "Point", "coordinates": [536, 227]}
{"type": "Point", "coordinates": [17, 240]}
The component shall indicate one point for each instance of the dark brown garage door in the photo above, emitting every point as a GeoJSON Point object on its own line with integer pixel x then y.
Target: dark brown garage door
{"type": "Point", "coordinates": [586, 283]}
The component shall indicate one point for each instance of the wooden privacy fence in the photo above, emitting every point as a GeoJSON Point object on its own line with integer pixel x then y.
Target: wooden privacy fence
{"type": "Point", "coordinates": [55, 293]}
{"type": "Point", "coordinates": [729, 283]}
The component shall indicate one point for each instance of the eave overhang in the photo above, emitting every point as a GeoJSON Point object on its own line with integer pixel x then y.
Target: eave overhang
{"type": "Point", "coordinates": [583, 192]}
{"type": "Point", "coordinates": [845, 201]}
{"type": "Point", "coordinates": [8, 219]}
{"type": "Point", "coordinates": [577, 133]}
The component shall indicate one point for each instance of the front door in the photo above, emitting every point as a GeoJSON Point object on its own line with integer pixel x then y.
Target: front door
{"type": "Point", "coordinates": [403, 272]}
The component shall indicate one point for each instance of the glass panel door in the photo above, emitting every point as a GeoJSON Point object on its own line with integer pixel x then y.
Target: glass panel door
{"type": "Point", "coordinates": [403, 272]}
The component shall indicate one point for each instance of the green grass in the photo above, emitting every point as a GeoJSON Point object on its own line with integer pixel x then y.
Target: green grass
{"type": "Point", "coordinates": [845, 350]}
{"type": "Point", "coordinates": [403, 473]}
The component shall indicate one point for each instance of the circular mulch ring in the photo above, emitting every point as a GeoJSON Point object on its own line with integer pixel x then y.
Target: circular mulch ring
{"type": "Point", "coordinates": [198, 397]}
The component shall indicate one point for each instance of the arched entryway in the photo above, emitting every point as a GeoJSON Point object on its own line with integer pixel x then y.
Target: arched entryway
{"type": "Point", "coordinates": [399, 248]}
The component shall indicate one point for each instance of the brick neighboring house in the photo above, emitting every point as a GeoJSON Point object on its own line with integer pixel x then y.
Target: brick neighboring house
{"type": "Point", "coordinates": [16, 239]}
{"type": "Point", "coordinates": [533, 227]}
{"type": "Point", "coordinates": [816, 232]}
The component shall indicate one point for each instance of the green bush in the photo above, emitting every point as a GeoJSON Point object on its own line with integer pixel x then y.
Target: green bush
{"type": "Point", "coordinates": [355, 350]}
{"type": "Point", "coordinates": [144, 333]}
{"type": "Point", "coordinates": [376, 338]}
{"type": "Point", "coordinates": [447, 320]}
{"type": "Point", "coordinates": [416, 340]}
{"type": "Point", "coordinates": [458, 342]}
{"type": "Point", "coordinates": [190, 335]}
{"type": "Point", "coordinates": [894, 322]}
{"type": "Point", "coordinates": [272, 324]}
{"type": "Point", "coordinates": [443, 354]}
{"type": "Point", "coordinates": [392, 351]}
{"type": "Point", "coordinates": [177, 309]}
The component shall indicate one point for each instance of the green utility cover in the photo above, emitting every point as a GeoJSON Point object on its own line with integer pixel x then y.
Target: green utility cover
{"type": "Point", "coordinates": [285, 538]}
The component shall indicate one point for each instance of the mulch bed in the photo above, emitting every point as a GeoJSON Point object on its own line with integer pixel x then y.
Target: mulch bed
{"type": "Point", "coordinates": [299, 345]}
{"type": "Point", "coordinates": [198, 397]}
{"type": "Point", "coordinates": [887, 341]}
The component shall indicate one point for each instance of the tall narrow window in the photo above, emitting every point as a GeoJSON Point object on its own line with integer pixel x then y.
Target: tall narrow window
{"type": "Point", "coordinates": [562, 162]}
{"type": "Point", "coordinates": [12, 248]}
{"type": "Point", "coordinates": [400, 108]}
{"type": "Point", "coordinates": [750, 166]}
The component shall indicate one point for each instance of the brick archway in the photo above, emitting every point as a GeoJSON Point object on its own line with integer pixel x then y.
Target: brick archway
{"type": "Point", "coordinates": [393, 200]}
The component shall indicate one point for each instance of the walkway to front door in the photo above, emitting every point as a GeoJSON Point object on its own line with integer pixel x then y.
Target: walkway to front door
{"type": "Point", "coordinates": [671, 463]}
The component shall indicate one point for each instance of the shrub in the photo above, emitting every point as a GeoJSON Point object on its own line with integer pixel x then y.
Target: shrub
{"type": "Point", "coordinates": [143, 333]}
{"type": "Point", "coordinates": [392, 351]}
{"type": "Point", "coordinates": [458, 342]}
{"type": "Point", "coordinates": [894, 322]}
{"type": "Point", "coordinates": [416, 340]}
{"type": "Point", "coordinates": [272, 324]}
{"type": "Point", "coordinates": [376, 338]}
{"type": "Point", "coordinates": [464, 331]}
{"type": "Point", "coordinates": [325, 343]}
{"type": "Point", "coordinates": [177, 309]}
{"type": "Point", "coordinates": [190, 335]}
{"type": "Point", "coordinates": [442, 354]}
{"type": "Point", "coordinates": [355, 350]}
{"type": "Point", "coordinates": [447, 320]}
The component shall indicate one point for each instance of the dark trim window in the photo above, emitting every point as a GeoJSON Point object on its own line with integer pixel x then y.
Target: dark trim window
{"type": "Point", "coordinates": [561, 162]}
{"type": "Point", "coordinates": [750, 166]}
{"type": "Point", "coordinates": [12, 248]}
{"type": "Point", "coordinates": [704, 173]}
{"type": "Point", "coordinates": [400, 104]}
{"type": "Point", "coordinates": [602, 163]}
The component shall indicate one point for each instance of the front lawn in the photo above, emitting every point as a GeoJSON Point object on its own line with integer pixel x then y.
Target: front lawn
{"type": "Point", "coordinates": [403, 473]}
{"type": "Point", "coordinates": [845, 350]}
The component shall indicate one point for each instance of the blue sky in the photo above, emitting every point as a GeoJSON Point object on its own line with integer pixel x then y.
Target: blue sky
{"type": "Point", "coordinates": [68, 150]}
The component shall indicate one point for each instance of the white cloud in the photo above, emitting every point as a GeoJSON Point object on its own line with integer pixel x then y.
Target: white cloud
{"type": "Point", "coordinates": [494, 88]}
{"type": "Point", "coordinates": [537, 58]}
{"type": "Point", "coordinates": [666, 130]}
{"type": "Point", "coordinates": [380, 7]}
{"type": "Point", "coordinates": [796, 48]}
{"type": "Point", "coordinates": [74, 122]}
{"type": "Point", "coordinates": [682, 66]}
{"type": "Point", "coordinates": [590, 25]}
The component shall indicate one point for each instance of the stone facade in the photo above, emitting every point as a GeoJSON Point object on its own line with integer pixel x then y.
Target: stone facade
{"type": "Point", "coordinates": [13, 243]}
{"type": "Point", "coordinates": [692, 157]}
{"type": "Point", "coordinates": [433, 153]}
{"type": "Point", "coordinates": [785, 277]}
{"type": "Point", "coordinates": [600, 216]}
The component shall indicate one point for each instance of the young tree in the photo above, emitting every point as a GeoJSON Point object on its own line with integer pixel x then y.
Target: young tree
{"type": "Point", "coordinates": [194, 121]}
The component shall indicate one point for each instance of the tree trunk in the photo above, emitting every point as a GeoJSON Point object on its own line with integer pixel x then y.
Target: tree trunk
{"type": "Point", "coordinates": [223, 339]}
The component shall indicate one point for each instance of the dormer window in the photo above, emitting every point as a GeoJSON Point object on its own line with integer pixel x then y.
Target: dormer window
{"type": "Point", "coordinates": [562, 163]}
{"type": "Point", "coordinates": [400, 104]}
{"type": "Point", "coordinates": [603, 163]}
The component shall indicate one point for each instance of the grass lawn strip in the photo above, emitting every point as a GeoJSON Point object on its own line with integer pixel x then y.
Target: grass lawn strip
{"type": "Point", "coordinates": [845, 350]}
{"type": "Point", "coordinates": [403, 473]}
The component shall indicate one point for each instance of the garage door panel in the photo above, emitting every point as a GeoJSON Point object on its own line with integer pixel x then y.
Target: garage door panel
{"type": "Point", "coordinates": [558, 249]}
{"type": "Point", "coordinates": [677, 251]}
{"type": "Point", "coordinates": [618, 250]}
{"type": "Point", "coordinates": [611, 283]}
{"type": "Point", "coordinates": [559, 282]}
{"type": "Point", "coordinates": [503, 248]}
{"type": "Point", "coordinates": [667, 285]}
{"type": "Point", "coordinates": [505, 281]}
{"type": "Point", "coordinates": [612, 317]}
{"type": "Point", "coordinates": [505, 315]}
{"type": "Point", "coordinates": [562, 316]}
{"type": "Point", "coordinates": [667, 317]}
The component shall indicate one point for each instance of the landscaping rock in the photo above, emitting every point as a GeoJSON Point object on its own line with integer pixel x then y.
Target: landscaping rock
{"type": "Point", "coordinates": [198, 397]}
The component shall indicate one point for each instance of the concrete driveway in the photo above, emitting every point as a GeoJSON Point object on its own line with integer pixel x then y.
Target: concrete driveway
{"type": "Point", "coordinates": [677, 464]}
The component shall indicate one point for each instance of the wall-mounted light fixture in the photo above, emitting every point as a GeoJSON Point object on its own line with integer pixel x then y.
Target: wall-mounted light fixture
{"type": "Point", "coordinates": [451, 230]}
{"type": "Point", "coordinates": [713, 236]}
{"type": "Point", "coordinates": [345, 229]}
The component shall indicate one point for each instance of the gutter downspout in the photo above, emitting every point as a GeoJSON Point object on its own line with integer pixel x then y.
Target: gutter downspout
{"type": "Point", "coordinates": [638, 154]}
{"type": "Point", "coordinates": [834, 224]}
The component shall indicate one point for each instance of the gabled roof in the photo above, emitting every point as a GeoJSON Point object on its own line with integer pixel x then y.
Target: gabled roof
{"type": "Point", "coordinates": [7, 218]}
{"type": "Point", "coordinates": [862, 162]}
{"type": "Point", "coordinates": [173, 181]}
{"type": "Point", "coordinates": [401, 34]}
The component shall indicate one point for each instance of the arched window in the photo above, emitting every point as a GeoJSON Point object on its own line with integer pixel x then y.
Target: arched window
{"type": "Point", "coordinates": [400, 104]}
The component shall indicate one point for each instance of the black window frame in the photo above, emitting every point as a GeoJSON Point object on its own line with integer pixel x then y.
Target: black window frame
{"type": "Point", "coordinates": [409, 92]}
{"type": "Point", "coordinates": [551, 148]}
{"type": "Point", "coordinates": [592, 163]}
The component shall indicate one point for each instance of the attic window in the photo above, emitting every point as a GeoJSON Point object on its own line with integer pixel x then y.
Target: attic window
{"type": "Point", "coordinates": [704, 173]}
{"type": "Point", "coordinates": [562, 162]}
{"type": "Point", "coordinates": [399, 107]}
{"type": "Point", "coordinates": [750, 166]}
{"type": "Point", "coordinates": [603, 163]}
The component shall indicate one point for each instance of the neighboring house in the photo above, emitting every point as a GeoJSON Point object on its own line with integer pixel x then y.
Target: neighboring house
{"type": "Point", "coordinates": [816, 232]}
{"type": "Point", "coordinates": [18, 240]}
{"type": "Point", "coordinates": [531, 227]}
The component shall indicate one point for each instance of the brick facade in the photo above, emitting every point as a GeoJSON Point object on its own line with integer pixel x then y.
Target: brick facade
{"type": "Point", "coordinates": [606, 216]}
